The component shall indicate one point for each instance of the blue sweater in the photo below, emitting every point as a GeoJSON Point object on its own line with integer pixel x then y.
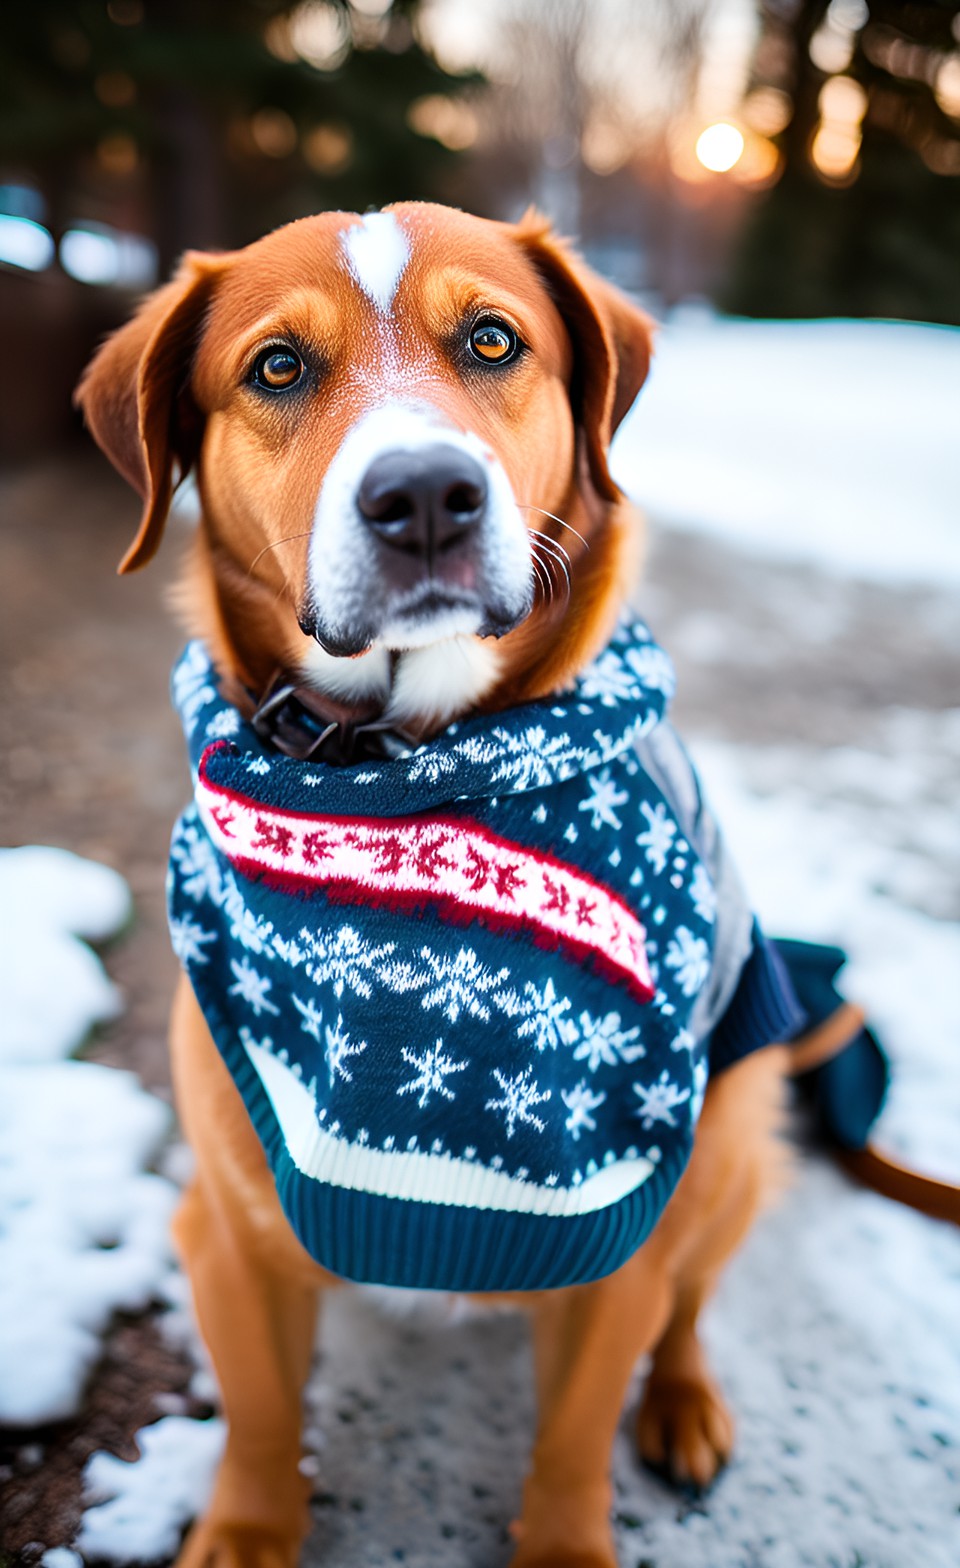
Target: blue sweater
{"type": "Point", "coordinates": [471, 996]}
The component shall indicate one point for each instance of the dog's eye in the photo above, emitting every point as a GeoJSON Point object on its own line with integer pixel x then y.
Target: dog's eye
{"type": "Point", "coordinates": [277, 369]}
{"type": "Point", "coordinates": [493, 342]}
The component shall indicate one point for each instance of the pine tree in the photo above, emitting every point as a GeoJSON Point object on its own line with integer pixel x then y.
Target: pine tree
{"type": "Point", "coordinates": [865, 219]}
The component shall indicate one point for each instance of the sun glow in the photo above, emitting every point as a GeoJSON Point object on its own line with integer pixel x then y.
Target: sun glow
{"type": "Point", "coordinates": [719, 147]}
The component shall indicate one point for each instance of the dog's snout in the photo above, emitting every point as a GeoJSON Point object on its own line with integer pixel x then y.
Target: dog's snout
{"type": "Point", "coordinates": [423, 501]}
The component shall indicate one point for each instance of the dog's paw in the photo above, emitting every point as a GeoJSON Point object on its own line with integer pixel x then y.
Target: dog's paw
{"type": "Point", "coordinates": [684, 1430]}
{"type": "Point", "coordinates": [220, 1544]}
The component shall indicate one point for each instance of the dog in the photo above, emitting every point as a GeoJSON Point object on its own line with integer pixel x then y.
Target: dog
{"type": "Point", "coordinates": [399, 426]}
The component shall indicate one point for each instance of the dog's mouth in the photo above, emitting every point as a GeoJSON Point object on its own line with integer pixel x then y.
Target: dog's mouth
{"type": "Point", "coordinates": [429, 613]}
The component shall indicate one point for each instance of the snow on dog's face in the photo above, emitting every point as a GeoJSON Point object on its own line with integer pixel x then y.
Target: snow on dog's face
{"type": "Point", "coordinates": [384, 413]}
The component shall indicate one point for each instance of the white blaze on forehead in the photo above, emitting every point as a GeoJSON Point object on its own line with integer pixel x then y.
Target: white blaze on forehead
{"type": "Point", "coordinates": [377, 251]}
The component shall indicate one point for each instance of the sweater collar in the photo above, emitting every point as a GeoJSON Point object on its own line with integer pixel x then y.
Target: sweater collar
{"type": "Point", "coordinates": [621, 696]}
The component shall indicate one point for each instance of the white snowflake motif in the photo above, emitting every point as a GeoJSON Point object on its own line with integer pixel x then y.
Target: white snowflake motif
{"type": "Point", "coordinates": [250, 930]}
{"type": "Point", "coordinates": [683, 1040]}
{"type": "Point", "coordinates": [458, 984]}
{"type": "Point", "coordinates": [530, 761]}
{"type": "Point", "coordinates": [311, 1015]}
{"type": "Point", "coordinates": [603, 799]}
{"type": "Point", "coordinates": [198, 867]}
{"type": "Point", "coordinates": [544, 1023]}
{"type": "Point", "coordinates": [603, 1040]}
{"type": "Point", "coordinates": [431, 1068]}
{"type": "Point", "coordinates": [343, 960]}
{"type": "Point", "coordinates": [608, 679]}
{"type": "Point", "coordinates": [251, 987]}
{"type": "Point", "coordinates": [657, 841]}
{"type": "Point", "coordinates": [703, 893]}
{"type": "Point", "coordinates": [519, 1096]}
{"type": "Point", "coordinates": [580, 1102]}
{"type": "Point", "coordinates": [659, 1100]}
{"type": "Point", "coordinates": [653, 668]}
{"type": "Point", "coordinates": [431, 764]}
{"type": "Point", "coordinates": [258, 765]}
{"type": "Point", "coordinates": [189, 939]}
{"type": "Point", "coordinates": [689, 955]}
{"type": "Point", "coordinates": [338, 1049]}
{"type": "Point", "coordinates": [224, 724]}
{"type": "Point", "coordinates": [192, 690]}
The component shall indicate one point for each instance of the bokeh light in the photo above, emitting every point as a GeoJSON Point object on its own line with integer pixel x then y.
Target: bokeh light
{"type": "Point", "coordinates": [719, 147]}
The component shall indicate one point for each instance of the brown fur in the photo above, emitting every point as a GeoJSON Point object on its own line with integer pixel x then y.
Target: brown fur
{"type": "Point", "coordinates": [163, 393]}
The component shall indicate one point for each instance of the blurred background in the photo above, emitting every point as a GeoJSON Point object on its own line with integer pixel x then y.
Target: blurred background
{"type": "Point", "coordinates": [778, 157]}
{"type": "Point", "coordinates": [779, 182]}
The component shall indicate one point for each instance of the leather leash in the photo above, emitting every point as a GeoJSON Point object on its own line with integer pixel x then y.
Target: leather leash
{"type": "Point", "coordinates": [870, 1165]}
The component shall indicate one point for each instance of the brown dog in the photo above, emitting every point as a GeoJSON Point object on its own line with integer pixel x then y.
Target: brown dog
{"type": "Point", "coordinates": [295, 376]}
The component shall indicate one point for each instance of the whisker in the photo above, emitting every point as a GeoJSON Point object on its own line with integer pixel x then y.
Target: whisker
{"type": "Point", "coordinates": [528, 506]}
{"type": "Point", "coordinates": [562, 560]}
{"type": "Point", "coordinates": [543, 576]}
{"type": "Point", "coordinates": [556, 549]}
{"type": "Point", "coordinates": [273, 545]}
{"type": "Point", "coordinates": [545, 562]}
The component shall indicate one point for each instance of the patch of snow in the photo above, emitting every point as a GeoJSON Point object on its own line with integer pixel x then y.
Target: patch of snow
{"type": "Point", "coordinates": [83, 1229]}
{"type": "Point", "coordinates": [61, 1557]}
{"type": "Point", "coordinates": [831, 442]}
{"type": "Point", "coordinates": [803, 828]}
{"type": "Point", "coordinates": [141, 1508]}
{"type": "Point", "coordinates": [53, 986]}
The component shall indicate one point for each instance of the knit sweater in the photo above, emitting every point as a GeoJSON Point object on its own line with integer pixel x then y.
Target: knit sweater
{"type": "Point", "coordinates": [471, 995]}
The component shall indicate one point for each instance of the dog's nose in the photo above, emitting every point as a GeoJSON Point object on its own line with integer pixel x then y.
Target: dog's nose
{"type": "Point", "coordinates": [423, 501]}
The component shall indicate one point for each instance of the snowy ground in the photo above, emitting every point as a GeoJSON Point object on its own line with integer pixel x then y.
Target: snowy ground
{"type": "Point", "coordinates": [809, 589]}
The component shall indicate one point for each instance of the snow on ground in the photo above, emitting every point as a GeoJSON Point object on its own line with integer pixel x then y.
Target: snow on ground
{"type": "Point", "coordinates": [138, 1509]}
{"type": "Point", "coordinates": [54, 986]}
{"type": "Point", "coordinates": [833, 442]}
{"type": "Point", "coordinates": [83, 1227]}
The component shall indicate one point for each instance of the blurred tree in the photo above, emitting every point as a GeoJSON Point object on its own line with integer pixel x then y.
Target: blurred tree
{"type": "Point", "coordinates": [207, 122]}
{"type": "Point", "coordinates": [865, 219]}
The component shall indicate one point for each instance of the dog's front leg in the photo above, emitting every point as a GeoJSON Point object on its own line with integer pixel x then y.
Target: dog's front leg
{"type": "Point", "coordinates": [255, 1293]}
{"type": "Point", "coordinates": [586, 1342]}
{"type": "Point", "coordinates": [259, 1328]}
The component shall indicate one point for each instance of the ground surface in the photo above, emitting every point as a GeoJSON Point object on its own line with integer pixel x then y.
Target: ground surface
{"type": "Point", "coordinates": [849, 1425]}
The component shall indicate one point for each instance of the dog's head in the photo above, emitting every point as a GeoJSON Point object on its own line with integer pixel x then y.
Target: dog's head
{"type": "Point", "coordinates": [399, 425]}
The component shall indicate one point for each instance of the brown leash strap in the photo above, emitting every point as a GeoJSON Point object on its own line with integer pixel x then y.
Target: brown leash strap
{"type": "Point", "coordinates": [886, 1175]}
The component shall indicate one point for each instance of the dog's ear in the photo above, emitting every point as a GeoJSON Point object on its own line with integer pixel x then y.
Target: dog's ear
{"type": "Point", "coordinates": [612, 341]}
{"type": "Point", "coordinates": [135, 397]}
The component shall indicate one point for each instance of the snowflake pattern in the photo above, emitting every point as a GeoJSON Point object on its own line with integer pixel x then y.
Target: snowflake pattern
{"type": "Point", "coordinates": [252, 987]}
{"type": "Point", "coordinates": [653, 668]}
{"type": "Point", "coordinates": [224, 725]}
{"type": "Point", "coordinates": [520, 1095]}
{"type": "Point", "coordinates": [580, 1102]}
{"type": "Point", "coordinates": [431, 1067]}
{"type": "Point", "coordinates": [189, 939]}
{"type": "Point", "coordinates": [657, 841]}
{"type": "Point", "coordinates": [689, 955]}
{"type": "Point", "coordinates": [659, 1100]}
{"type": "Point", "coordinates": [608, 679]}
{"type": "Point", "coordinates": [544, 1021]}
{"type": "Point", "coordinates": [192, 685]}
{"type": "Point", "coordinates": [311, 1018]}
{"type": "Point", "coordinates": [703, 893]}
{"type": "Point", "coordinates": [343, 960]}
{"type": "Point", "coordinates": [604, 797]}
{"type": "Point", "coordinates": [338, 1048]}
{"type": "Point", "coordinates": [602, 1041]}
{"type": "Point", "coordinates": [458, 983]}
